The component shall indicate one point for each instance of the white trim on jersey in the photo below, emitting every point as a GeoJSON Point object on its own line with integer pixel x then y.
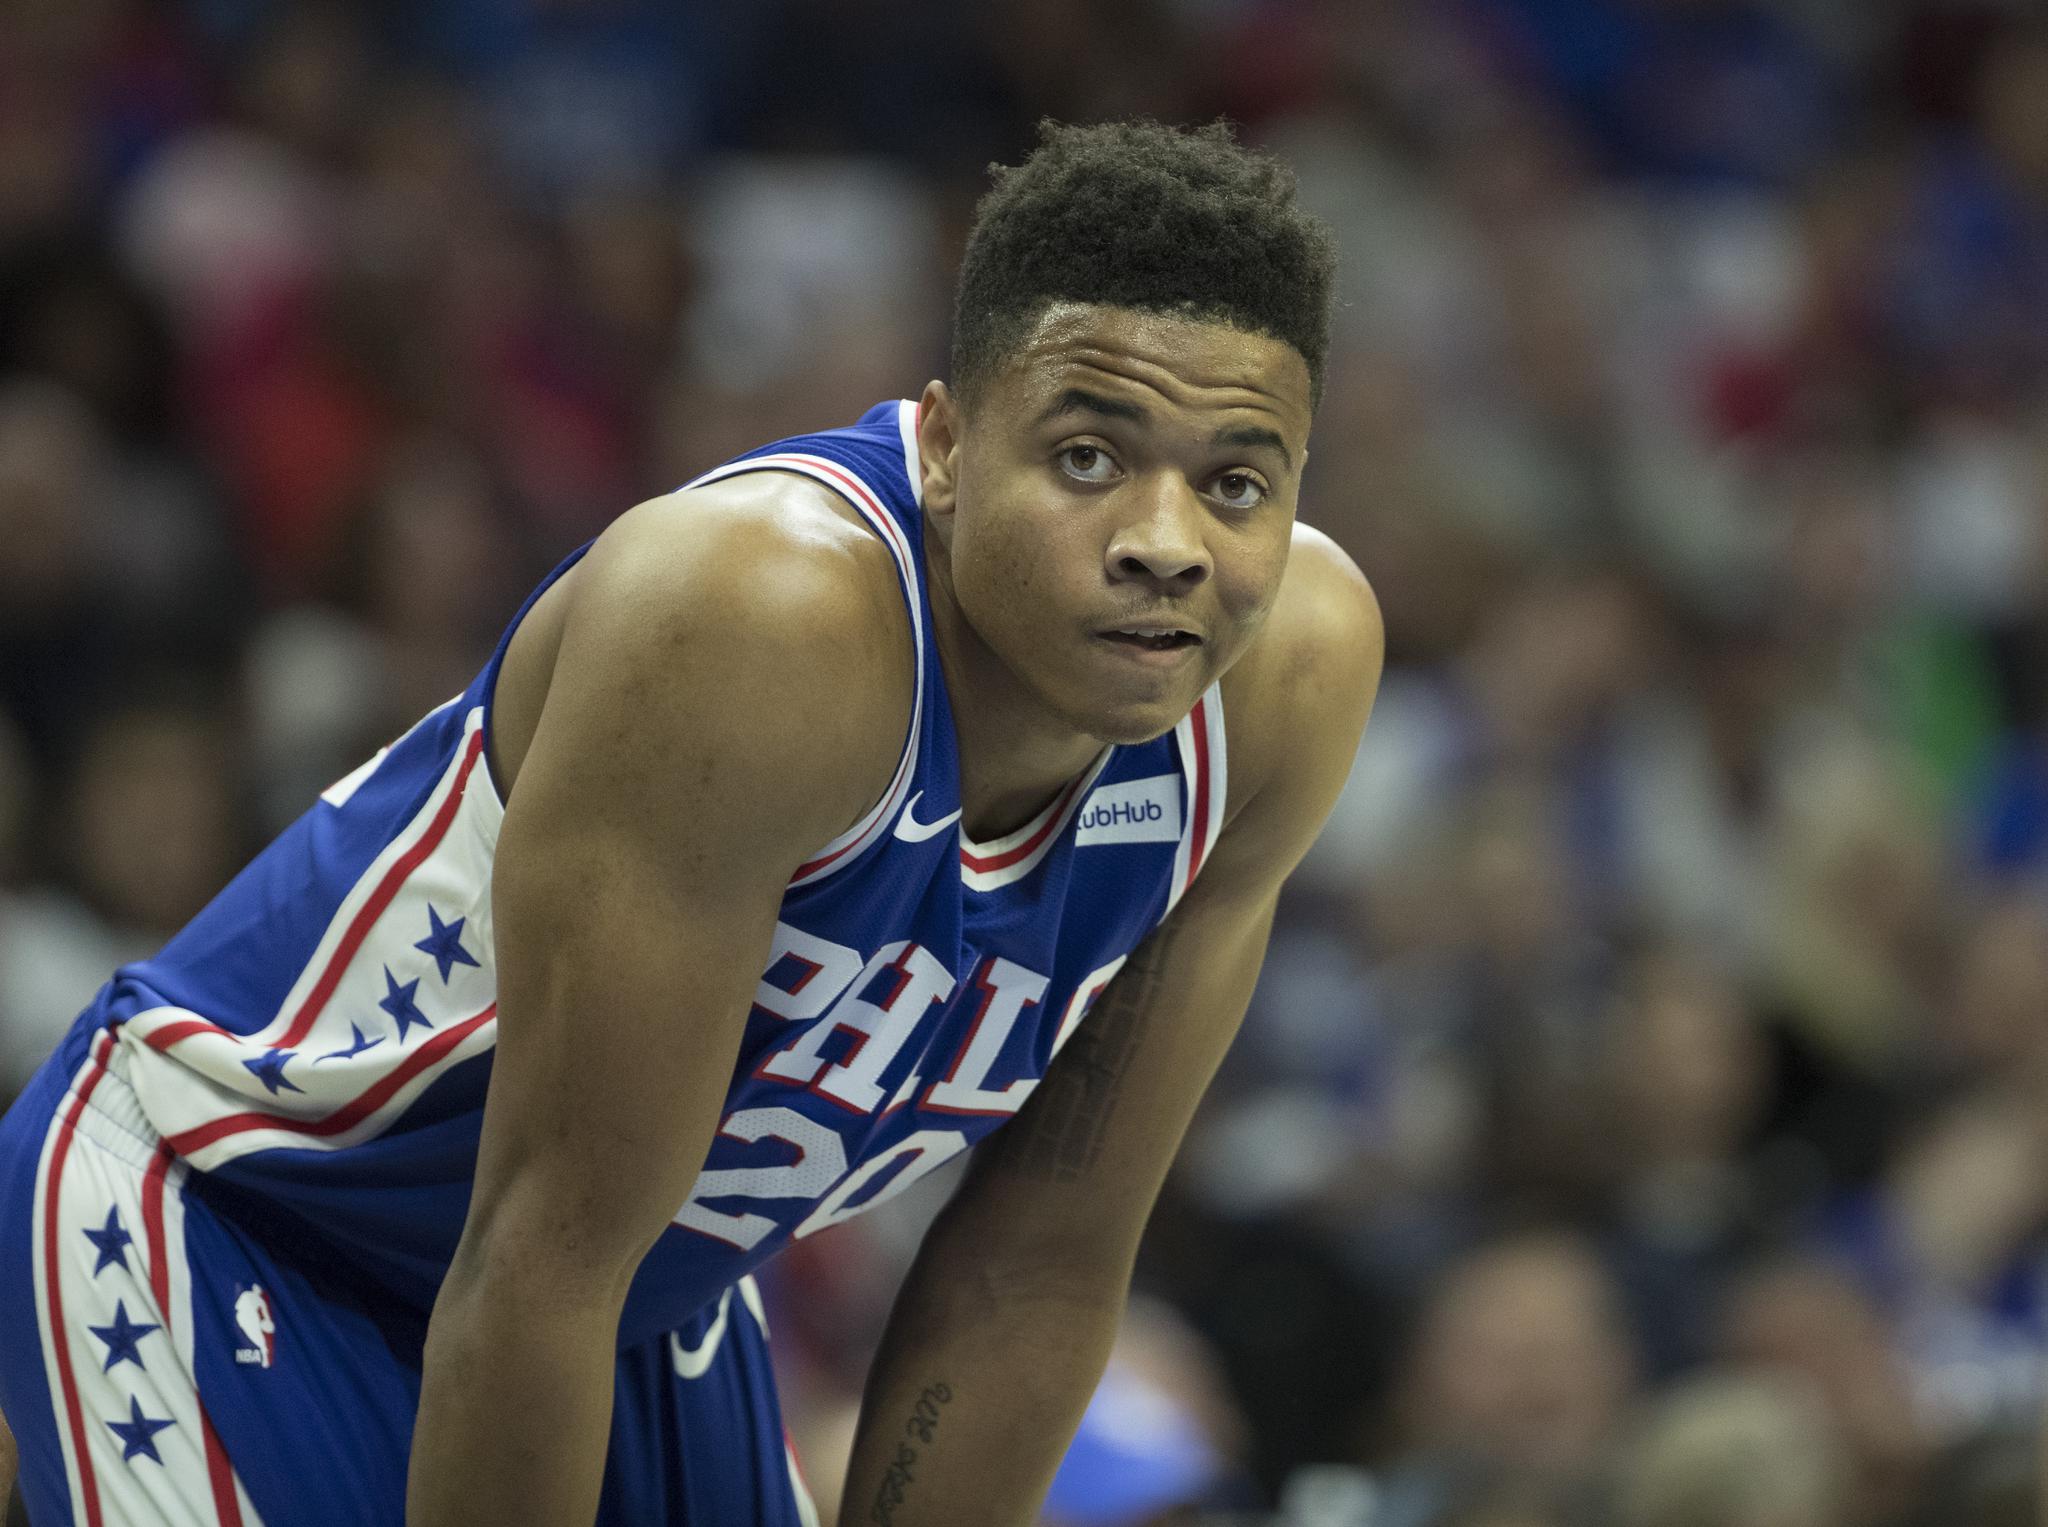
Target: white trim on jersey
{"type": "Point", "coordinates": [227, 1126]}
{"type": "Point", "coordinates": [374, 1018]}
{"type": "Point", "coordinates": [990, 866]}
{"type": "Point", "coordinates": [806, 1508]}
{"type": "Point", "coordinates": [913, 459]}
{"type": "Point", "coordinates": [342, 790]}
{"type": "Point", "coordinates": [1207, 772]}
{"type": "Point", "coordinates": [843, 480]}
{"type": "Point", "coordinates": [474, 838]}
{"type": "Point", "coordinates": [1219, 766]}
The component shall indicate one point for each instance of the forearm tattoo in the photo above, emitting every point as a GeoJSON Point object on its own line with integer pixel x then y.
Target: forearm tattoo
{"type": "Point", "coordinates": [901, 1473]}
{"type": "Point", "coordinates": [1059, 1134]}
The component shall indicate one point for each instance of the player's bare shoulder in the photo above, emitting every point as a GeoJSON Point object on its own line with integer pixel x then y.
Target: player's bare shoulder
{"type": "Point", "coordinates": [759, 606]}
{"type": "Point", "coordinates": [1295, 705]}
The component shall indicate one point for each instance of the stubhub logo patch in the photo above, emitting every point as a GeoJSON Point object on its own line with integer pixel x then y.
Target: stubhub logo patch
{"type": "Point", "coordinates": [1136, 811]}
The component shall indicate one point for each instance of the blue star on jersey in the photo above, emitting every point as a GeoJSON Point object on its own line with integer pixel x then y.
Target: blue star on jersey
{"type": "Point", "coordinates": [112, 1242]}
{"type": "Point", "coordinates": [268, 1068]}
{"type": "Point", "coordinates": [123, 1337]}
{"type": "Point", "coordinates": [357, 1048]}
{"type": "Point", "coordinates": [138, 1434]}
{"type": "Point", "coordinates": [399, 1004]}
{"type": "Point", "coordinates": [445, 944]}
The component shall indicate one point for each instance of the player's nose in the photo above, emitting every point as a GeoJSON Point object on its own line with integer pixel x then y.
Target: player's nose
{"type": "Point", "coordinates": [1159, 541]}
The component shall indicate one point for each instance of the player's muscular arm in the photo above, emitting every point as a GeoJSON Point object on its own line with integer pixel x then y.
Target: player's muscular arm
{"type": "Point", "coordinates": [1004, 1324]}
{"type": "Point", "coordinates": [724, 699]}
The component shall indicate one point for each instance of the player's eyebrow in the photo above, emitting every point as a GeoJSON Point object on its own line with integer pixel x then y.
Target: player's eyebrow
{"type": "Point", "coordinates": [1252, 436]}
{"type": "Point", "coordinates": [1078, 400]}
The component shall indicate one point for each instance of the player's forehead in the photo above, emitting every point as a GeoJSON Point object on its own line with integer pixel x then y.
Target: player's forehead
{"type": "Point", "coordinates": [1169, 368]}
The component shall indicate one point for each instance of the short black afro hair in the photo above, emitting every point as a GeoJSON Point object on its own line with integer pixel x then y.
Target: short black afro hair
{"type": "Point", "coordinates": [1139, 215]}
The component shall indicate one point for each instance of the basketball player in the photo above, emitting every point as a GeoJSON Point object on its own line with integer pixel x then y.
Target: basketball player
{"type": "Point", "coordinates": [884, 790]}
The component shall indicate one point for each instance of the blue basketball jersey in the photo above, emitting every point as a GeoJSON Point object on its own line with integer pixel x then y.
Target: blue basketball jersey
{"type": "Point", "coordinates": [315, 1045]}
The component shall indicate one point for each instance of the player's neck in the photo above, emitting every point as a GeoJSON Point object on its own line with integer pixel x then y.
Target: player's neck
{"type": "Point", "coordinates": [1015, 754]}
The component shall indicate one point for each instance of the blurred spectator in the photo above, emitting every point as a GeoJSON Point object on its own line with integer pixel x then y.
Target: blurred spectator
{"type": "Point", "coordinates": [1522, 1365]}
{"type": "Point", "coordinates": [1515, 1506]}
{"type": "Point", "coordinates": [1685, 1203]}
{"type": "Point", "coordinates": [1947, 1242]}
{"type": "Point", "coordinates": [150, 826]}
{"type": "Point", "coordinates": [1969, 284]}
{"type": "Point", "coordinates": [107, 562]}
{"type": "Point", "coordinates": [1700, 91]}
{"type": "Point", "coordinates": [1733, 1450]}
{"type": "Point", "coordinates": [1993, 1022]}
{"type": "Point", "coordinates": [1807, 1318]}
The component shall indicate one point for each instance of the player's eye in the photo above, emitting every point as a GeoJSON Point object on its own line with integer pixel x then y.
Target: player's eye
{"type": "Point", "coordinates": [1087, 463]}
{"type": "Point", "coordinates": [1239, 490]}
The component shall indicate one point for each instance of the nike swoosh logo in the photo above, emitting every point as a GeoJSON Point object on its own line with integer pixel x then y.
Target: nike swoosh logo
{"type": "Point", "coordinates": [911, 830]}
{"type": "Point", "coordinates": [695, 1362]}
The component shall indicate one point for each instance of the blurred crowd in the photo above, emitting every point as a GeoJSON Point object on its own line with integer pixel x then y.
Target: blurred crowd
{"type": "Point", "coordinates": [1643, 1118]}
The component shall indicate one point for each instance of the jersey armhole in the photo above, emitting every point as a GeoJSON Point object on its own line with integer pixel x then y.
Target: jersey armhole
{"type": "Point", "coordinates": [487, 682]}
{"type": "Point", "coordinates": [842, 480]}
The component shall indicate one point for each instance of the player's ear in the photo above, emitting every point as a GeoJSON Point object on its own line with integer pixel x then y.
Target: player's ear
{"type": "Point", "coordinates": [938, 447]}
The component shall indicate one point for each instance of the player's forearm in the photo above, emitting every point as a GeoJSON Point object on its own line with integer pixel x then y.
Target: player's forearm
{"type": "Point", "coordinates": [974, 1397]}
{"type": "Point", "coordinates": [515, 1403]}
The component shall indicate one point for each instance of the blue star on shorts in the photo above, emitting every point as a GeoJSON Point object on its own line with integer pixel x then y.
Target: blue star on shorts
{"type": "Point", "coordinates": [123, 1337]}
{"type": "Point", "coordinates": [363, 1042]}
{"type": "Point", "coordinates": [445, 944]}
{"type": "Point", "coordinates": [113, 1243]}
{"type": "Point", "coordinates": [268, 1069]}
{"type": "Point", "coordinates": [399, 1004]}
{"type": "Point", "coordinates": [138, 1434]}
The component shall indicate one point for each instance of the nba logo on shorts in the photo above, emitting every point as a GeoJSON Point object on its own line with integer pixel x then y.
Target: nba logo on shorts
{"type": "Point", "coordinates": [259, 1332]}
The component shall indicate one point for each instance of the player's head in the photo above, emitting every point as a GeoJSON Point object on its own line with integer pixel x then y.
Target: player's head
{"type": "Point", "coordinates": [1139, 338]}
{"type": "Point", "coordinates": [1180, 222]}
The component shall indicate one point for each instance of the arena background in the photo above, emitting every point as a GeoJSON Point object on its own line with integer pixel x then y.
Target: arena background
{"type": "Point", "coordinates": [1641, 1120]}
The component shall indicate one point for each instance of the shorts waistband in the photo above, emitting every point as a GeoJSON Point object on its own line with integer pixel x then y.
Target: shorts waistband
{"type": "Point", "coordinates": [112, 1117]}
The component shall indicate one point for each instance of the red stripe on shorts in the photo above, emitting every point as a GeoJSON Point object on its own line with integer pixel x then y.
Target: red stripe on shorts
{"type": "Point", "coordinates": [88, 1486]}
{"type": "Point", "coordinates": [219, 1473]}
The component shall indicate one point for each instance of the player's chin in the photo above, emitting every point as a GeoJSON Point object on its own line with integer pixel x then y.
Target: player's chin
{"type": "Point", "coordinates": [1128, 707]}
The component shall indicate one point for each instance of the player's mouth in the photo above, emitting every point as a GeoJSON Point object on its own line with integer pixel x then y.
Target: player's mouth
{"type": "Point", "coordinates": [1153, 643]}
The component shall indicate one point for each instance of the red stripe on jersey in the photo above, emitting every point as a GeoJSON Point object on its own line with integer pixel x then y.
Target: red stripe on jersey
{"type": "Point", "coordinates": [860, 491]}
{"type": "Point", "coordinates": [884, 524]}
{"type": "Point", "coordinates": [349, 1114]}
{"type": "Point", "coordinates": [1198, 840]}
{"type": "Point", "coordinates": [796, 1464]}
{"type": "Point", "coordinates": [88, 1486]}
{"type": "Point", "coordinates": [172, 1033]}
{"type": "Point", "coordinates": [316, 1000]}
{"type": "Point", "coordinates": [1025, 849]}
{"type": "Point", "coordinates": [838, 853]}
